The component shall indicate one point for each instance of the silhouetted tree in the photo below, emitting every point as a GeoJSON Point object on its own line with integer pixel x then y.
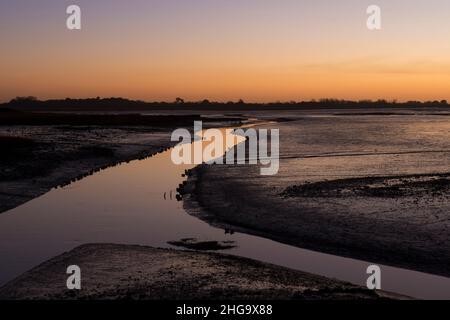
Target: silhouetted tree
{"type": "Point", "coordinates": [24, 99]}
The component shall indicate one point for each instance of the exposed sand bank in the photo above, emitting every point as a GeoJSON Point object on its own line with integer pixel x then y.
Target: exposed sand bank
{"type": "Point", "coordinates": [135, 272]}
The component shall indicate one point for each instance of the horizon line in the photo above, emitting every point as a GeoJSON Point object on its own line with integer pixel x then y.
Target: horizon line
{"type": "Point", "coordinates": [180, 100]}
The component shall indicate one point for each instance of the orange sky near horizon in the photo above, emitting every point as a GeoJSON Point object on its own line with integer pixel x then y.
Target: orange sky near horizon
{"type": "Point", "coordinates": [221, 50]}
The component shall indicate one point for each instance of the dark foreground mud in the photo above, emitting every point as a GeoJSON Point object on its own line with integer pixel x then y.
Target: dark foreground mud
{"type": "Point", "coordinates": [407, 227]}
{"type": "Point", "coordinates": [144, 273]}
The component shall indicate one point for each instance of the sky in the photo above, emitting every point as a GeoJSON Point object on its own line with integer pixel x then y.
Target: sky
{"type": "Point", "coordinates": [256, 50]}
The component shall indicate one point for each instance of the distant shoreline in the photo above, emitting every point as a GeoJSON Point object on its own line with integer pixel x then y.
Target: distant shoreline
{"type": "Point", "coordinates": [122, 104]}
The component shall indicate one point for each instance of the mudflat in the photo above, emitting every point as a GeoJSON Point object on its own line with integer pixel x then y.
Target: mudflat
{"type": "Point", "coordinates": [111, 271]}
{"type": "Point", "coordinates": [371, 187]}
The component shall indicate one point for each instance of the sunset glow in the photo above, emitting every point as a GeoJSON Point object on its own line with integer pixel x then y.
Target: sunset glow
{"type": "Point", "coordinates": [257, 50]}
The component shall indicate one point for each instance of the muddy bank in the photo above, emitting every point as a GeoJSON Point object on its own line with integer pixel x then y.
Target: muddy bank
{"type": "Point", "coordinates": [43, 151]}
{"type": "Point", "coordinates": [58, 156]}
{"type": "Point", "coordinates": [417, 187]}
{"type": "Point", "coordinates": [144, 273]}
{"type": "Point", "coordinates": [360, 188]}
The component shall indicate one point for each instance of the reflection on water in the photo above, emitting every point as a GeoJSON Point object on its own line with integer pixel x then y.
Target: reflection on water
{"type": "Point", "coordinates": [135, 203]}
